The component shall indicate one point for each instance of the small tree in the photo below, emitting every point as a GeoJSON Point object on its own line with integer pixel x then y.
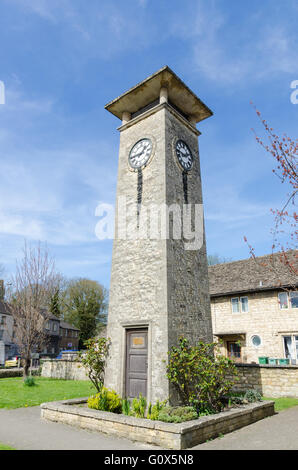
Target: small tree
{"type": "Point", "coordinates": [284, 152]}
{"type": "Point", "coordinates": [31, 289]}
{"type": "Point", "coordinates": [201, 377]}
{"type": "Point", "coordinates": [94, 360]}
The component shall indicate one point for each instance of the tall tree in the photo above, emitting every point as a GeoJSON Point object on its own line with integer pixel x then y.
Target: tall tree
{"type": "Point", "coordinates": [32, 287]}
{"type": "Point", "coordinates": [84, 305]}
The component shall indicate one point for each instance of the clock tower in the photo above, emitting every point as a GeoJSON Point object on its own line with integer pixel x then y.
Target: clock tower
{"type": "Point", "coordinates": [159, 280]}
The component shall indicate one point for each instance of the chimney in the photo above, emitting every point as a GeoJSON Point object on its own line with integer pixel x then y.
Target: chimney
{"type": "Point", "coordinates": [2, 289]}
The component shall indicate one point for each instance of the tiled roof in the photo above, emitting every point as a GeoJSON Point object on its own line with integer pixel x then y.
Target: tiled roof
{"type": "Point", "coordinates": [64, 324]}
{"type": "Point", "coordinates": [261, 273]}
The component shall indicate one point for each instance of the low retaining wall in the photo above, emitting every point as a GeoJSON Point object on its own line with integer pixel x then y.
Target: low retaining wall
{"type": "Point", "coordinates": [168, 435]}
{"type": "Point", "coordinates": [270, 380]}
{"type": "Point", "coordinates": [63, 369]}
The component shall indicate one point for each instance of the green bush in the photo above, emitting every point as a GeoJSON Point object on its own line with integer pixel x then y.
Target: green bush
{"type": "Point", "coordinates": [177, 414]}
{"type": "Point", "coordinates": [252, 396]}
{"type": "Point", "coordinates": [139, 407]}
{"type": "Point", "coordinates": [105, 400]}
{"type": "Point", "coordinates": [94, 360]}
{"type": "Point", "coordinates": [153, 410]}
{"type": "Point", "coordinates": [29, 381]}
{"type": "Point", "coordinates": [201, 376]}
{"type": "Point", "coordinates": [125, 407]}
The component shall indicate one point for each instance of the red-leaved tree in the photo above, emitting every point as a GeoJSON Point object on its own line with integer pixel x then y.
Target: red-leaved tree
{"type": "Point", "coordinates": [284, 152]}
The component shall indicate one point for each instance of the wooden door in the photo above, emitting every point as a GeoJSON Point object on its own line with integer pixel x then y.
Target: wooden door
{"type": "Point", "coordinates": [136, 362]}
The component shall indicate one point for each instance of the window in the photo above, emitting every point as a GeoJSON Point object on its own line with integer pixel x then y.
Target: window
{"type": "Point", "coordinates": [234, 350]}
{"type": "Point", "coordinates": [3, 320]}
{"type": "Point", "coordinates": [294, 299]}
{"type": "Point", "coordinates": [239, 305]}
{"type": "Point", "coordinates": [291, 347]}
{"type": "Point", "coordinates": [288, 299]}
{"type": "Point", "coordinates": [283, 300]}
{"type": "Point", "coordinates": [244, 304]}
{"type": "Point", "coordinates": [235, 305]}
{"type": "Point", "coordinates": [54, 326]}
{"type": "Point", "coordinates": [48, 325]}
{"type": "Point", "coordinates": [256, 340]}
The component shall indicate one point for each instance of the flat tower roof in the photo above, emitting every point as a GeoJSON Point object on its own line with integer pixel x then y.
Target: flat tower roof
{"type": "Point", "coordinates": [148, 91]}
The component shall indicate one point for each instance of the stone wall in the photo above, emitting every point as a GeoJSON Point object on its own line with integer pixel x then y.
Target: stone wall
{"type": "Point", "coordinates": [167, 435]}
{"type": "Point", "coordinates": [270, 381]}
{"type": "Point", "coordinates": [63, 369]}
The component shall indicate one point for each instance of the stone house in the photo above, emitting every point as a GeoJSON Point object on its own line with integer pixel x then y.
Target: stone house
{"type": "Point", "coordinates": [69, 336]}
{"type": "Point", "coordinates": [7, 347]}
{"type": "Point", "coordinates": [254, 307]}
{"type": "Point", "coordinates": [61, 335]}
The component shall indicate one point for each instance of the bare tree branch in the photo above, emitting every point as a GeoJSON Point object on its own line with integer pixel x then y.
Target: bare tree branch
{"type": "Point", "coordinates": [32, 286]}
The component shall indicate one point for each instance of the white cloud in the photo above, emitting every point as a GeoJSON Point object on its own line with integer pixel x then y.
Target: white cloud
{"type": "Point", "coordinates": [257, 49]}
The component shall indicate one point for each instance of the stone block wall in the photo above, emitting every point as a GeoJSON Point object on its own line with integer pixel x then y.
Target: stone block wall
{"type": "Point", "coordinates": [270, 381]}
{"type": "Point", "coordinates": [63, 369]}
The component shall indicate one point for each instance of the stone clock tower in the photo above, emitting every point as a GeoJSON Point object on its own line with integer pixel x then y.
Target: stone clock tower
{"type": "Point", "coordinates": [159, 281]}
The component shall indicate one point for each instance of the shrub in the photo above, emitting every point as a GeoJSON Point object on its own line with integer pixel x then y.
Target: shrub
{"type": "Point", "coordinates": [125, 407]}
{"type": "Point", "coordinates": [139, 407]}
{"type": "Point", "coordinates": [177, 414]}
{"type": "Point", "coordinates": [201, 377]}
{"type": "Point", "coordinates": [94, 360]}
{"type": "Point", "coordinates": [29, 381]}
{"type": "Point", "coordinates": [105, 400]}
{"type": "Point", "coordinates": [252, 395]}
{"type": "Point", "coordinates": [153, 410]}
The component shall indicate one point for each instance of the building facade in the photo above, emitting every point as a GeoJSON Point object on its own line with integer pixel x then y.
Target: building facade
{"type": "Point", "coordinates": [254, 305]}
{"type": "Point", "coordinates": [69, 337]}
{"type": "Point", "coordinates": [7, 347]}
{"type": "Point", "coordinates": [60, 335]}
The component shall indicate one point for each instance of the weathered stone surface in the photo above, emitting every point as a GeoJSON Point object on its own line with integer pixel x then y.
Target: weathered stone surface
{"type": "Point", "coordinates": [271, 381]}
{"type": "Point", "coordinates": [169, 435]}
{"type": "Point", "coordinates": [264, 318]}
{"type": "Point", "coordinates": [157, 283]}
{"type": "Point", "coordinates": [63, 369]}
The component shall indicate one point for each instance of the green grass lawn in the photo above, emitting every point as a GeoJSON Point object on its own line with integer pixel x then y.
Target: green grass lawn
{"type": "Point", "coordinates": [283, 403]}
{"type": "Point", "coordinates": [14, 394]}
{"type": "Point", "coordinates": [5, 447]}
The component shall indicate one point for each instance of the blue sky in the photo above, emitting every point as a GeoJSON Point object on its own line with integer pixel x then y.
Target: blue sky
{"type": "Point", "coordinates": [62, 60]}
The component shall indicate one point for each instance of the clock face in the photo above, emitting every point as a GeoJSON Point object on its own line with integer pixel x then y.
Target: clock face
{"type": "Point", "coordinates": [140, 153]}
{"type": "Point", "coordinates": [184, 155]}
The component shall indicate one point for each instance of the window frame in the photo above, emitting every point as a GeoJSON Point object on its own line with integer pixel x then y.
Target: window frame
{"type": "Point", "coordinates": [288, 297]}
{"type": "Point", "coordinates": [256, 345]}
{"type": "Point", "coordinates": [240, 310]}
{"type": "Point", "coordinates": [279, 302]}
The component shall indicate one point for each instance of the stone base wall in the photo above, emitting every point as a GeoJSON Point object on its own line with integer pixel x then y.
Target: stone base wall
{"type": "Point", "coordinates": [166, 435]}
{"type": "Point", "coordinates": [271, 381]}
{"type": "Point", "coordinates": [63, 369]}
